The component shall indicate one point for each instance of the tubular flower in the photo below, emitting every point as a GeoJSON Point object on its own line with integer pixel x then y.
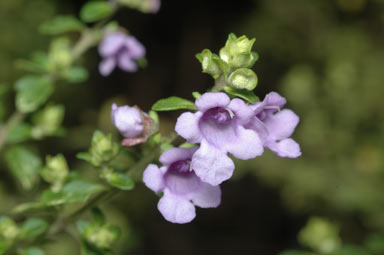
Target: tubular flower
{"type": "Point", "coordinates": [119, 49]}
{"type": "Point", "coordinates": [182, 189]}
{"type": "Point", "coordinates": [219, 126]}
{"type": "Point", "coordinates": [275, 126]}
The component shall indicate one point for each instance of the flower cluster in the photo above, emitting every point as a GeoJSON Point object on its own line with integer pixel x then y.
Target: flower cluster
{"type": "Point", "coordinates": [119, 49]}
{"type": "Point", "coordinates": [221, 126]}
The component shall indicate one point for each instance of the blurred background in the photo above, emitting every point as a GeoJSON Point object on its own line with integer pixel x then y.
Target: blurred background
{"type": "Point", "coordinates": [325, 56]}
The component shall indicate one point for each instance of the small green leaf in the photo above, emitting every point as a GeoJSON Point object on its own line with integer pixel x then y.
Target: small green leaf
{"type": "Point", "coordinates": [120, 181]}
{"type": "Point", "coordinates": [61, 24]}
{"type": "Point", "coordinates": [173, 103]}
{"type": "Point", "coordinates": [86, 156]}
{"type": "Point", "coordinates": [24, 164]}
{"type": "Point", "coordinates": [32, 91]}
{"type": "Point", "coordinates": [19, 133]}
{"type": "Point", "coordinates": [95, 10]}
{"type": "Point", "coordinates": [247, 95]}
{"type": "Point", "coordinates": [74, 191]}
{"type": "Point", "coordinates": [33, 227]}
{"type": "Point", "coordinates": [196, 95]}
{"type": "Point", "coordinates": [32, 251]}
{"type": "Point", "coordinates": [75, 74]}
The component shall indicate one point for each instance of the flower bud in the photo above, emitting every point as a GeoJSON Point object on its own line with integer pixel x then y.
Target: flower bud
{"type": "Point", "coordinates": [211, 63]}
{"type": "Point", "coordinates": [55, 171]}
{"type": "Point", "coordinates": [102, 236]}
{"type": "Point", "coordinates": [8, 228]}
{"type": "Point", "coordinates": [237, 52]}
{"type": "Point", "coordinates": [128, 120]}
{"type": "Point", "coordinates": [243, 78]}
{"type": "Point", "coordinates": [103, 148]}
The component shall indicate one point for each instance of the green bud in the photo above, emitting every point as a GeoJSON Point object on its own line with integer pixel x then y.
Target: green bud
{"type": "Point", "coordinates": [320, 235]}
{"type": "Point", "coordinates": [237, 52]}
{"type": "Point", "coordinates": [55, 171]}
{"type": "Point", "coordinates": [48, 121]}
{"type": "Point", "coordinates": [102, 236]}
{"type": "Point", "coordinates": [103, 148]}
{"type": "Point", "coordinates": [60, 53]}
{"type": "Point", "coordinates": [211, 63]}
{"type": "Point", "coordinates": [8, 228]}
{"type": "Point", "coordinates": [243, 78]}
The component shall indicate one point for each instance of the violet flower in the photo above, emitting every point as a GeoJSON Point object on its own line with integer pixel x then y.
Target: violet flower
{"type": "Point", "coordinates": [132, 123]}
{"type": "Point", "coordinates": [275, 126]}
{"type": "Point", "coordinates": [119, 49]}
{"type": "Point", "coordinates": [182, 189]}
{"type": "Point", "coordinates": [219, 127]}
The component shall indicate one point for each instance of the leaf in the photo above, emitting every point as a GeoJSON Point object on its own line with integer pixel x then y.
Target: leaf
{"type": "Point", "coordinates": [196, 95]}
{"type": "Point", "coordinates": [32, 251]}
{"type": "Point", "coordinates": [173, 103]}
{"type": "Point", "coordinates": [75, 74]}
{"type": "Point", "coordinates": [24, 164]}
{"type": "Point", "coordinates": [61, 24]}
{"type": "Point", "coordinates": [33, 227]}
{"type": "Point", "coordinates": [247, 95]}
{"type": "Point", "coordinates": [95, 10]}
{"type": "Point", "coordinates": [86, 156]}
{"type": "Point", "coordinates": [19, 133]}
{"type": "Point", "coordinates": [32, 91]}
{"type": "Point", "coordinates": [74, 191]}
{"type": "Point", "coordinates": [120, 181]}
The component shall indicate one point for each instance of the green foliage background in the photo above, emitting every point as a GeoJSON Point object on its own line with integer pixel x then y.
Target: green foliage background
{"type": "Point", "coordinates": [326, 57]}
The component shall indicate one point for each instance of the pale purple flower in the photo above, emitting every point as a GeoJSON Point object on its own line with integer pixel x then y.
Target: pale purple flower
{"type": "Point", "coordinates": [275, 126]}
{"type": "Point", "coordinates": [119, 49]}
{"type": "Point", "coordinates": [128, 120]}
{"type": "Point", "coordinates": [182, 189]}
{"type": "Point", "coordinates": [219, 127]}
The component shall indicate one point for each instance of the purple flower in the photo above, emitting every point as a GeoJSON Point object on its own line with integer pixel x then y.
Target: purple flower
{"type": "Point", "coordinates": [275, 126]}
{"type": "Point", "coordinates": [127, 120]}
{"type": "Point", "coordinates": [219, 127]}
{"type": "Point", "coordinates": [182, 189]}
{"type": "Point", "coordinates": [119, 49]}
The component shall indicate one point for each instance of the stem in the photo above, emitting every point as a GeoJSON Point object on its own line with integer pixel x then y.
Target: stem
{"type": "Point", "coordinates": [15, 119]}
{"type": "Point", "coordinates": [219, 84]}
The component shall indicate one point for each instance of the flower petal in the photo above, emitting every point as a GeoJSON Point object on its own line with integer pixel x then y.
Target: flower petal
{"type": "Point", "coordinates": [211, 100]}
{"type": "Point", "coordinates": [242, 111]}
{"type": "Point", "coordinates": [176, 209]}
{"type": "Point", "coordinates": [111, 43]}
{"type": "Point", "coordinates": [175, 154]}
{"type": "Point", "coordinates": [258, 126]}
{"type": "Point", "coordinates": [282, 124]}
{"type": "Point", "coordinates": [285, 148]}
{"type": "Point", "coordinates": [187, 126]}
{"type": "Point", "coordinates": [207, 196]}
{"type": "Point", "coordinates": [126, 62]}
{"type": "Point", "coordinates": [135, 48]}
{"type": "Point", "coordinates": [274, 99]}
{"type": "Point", "coordinates": [248, 144]}
{"type": "Point", "coordinates": [153, 178]}
{"type": "Point", "coordinates": [106, 66]}
{"type": "Point", "coordinates": [212, 165]}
